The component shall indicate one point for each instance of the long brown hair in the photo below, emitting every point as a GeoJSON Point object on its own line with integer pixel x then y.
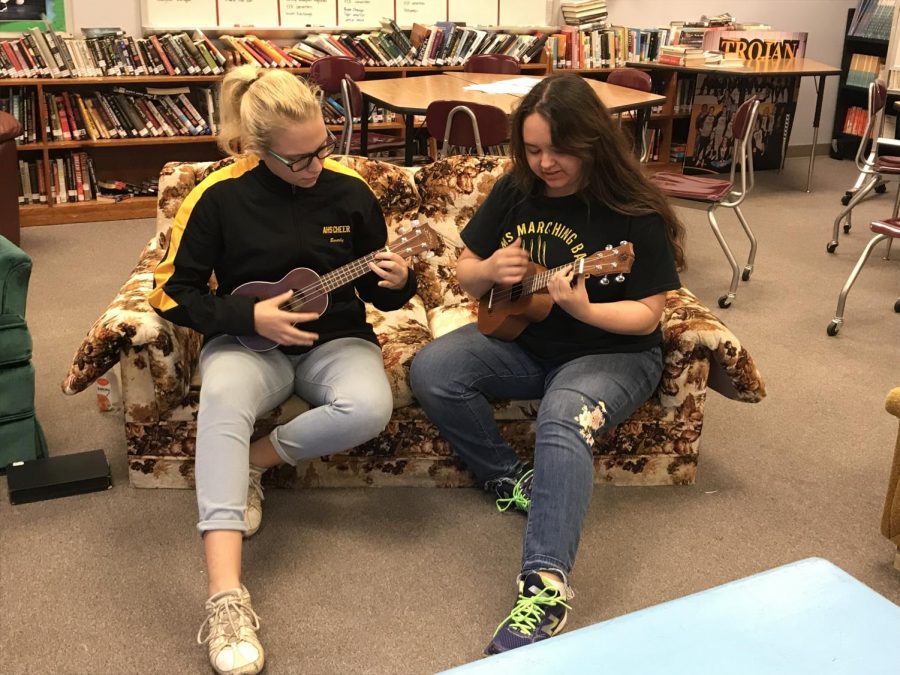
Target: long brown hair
{"type": "Point", "coordinates": [581, 126]}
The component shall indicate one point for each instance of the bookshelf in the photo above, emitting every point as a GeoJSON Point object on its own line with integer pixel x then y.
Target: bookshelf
{"type": "Point", "coordinates": [863, 59]}
{"type": "Point", "coordinates": [137, 159]}
{"type": "Point", "coordinates": [50, 156]}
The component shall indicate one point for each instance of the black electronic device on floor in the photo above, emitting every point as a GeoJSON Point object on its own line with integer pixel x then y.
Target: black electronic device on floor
{"type": "Point", "coordinates": [59, 476]}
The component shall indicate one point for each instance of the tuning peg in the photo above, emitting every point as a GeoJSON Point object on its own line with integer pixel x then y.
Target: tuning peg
{"type": "Point", "coordinates": [620, 278]}
{"type": "Point", "coordinates": [608, 247]}
{"type": "Point", "coordinates": [622, 243]}
{"type": "Point", "coordinates": [604, 281]}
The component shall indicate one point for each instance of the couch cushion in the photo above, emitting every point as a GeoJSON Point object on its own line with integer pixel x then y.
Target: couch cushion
{"type": "Point", "coordinates": [451, 190]}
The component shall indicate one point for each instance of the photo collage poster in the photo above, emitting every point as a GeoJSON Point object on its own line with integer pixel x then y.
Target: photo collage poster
{"type": "Point", "coordinates": [716, 100]}
{"type": "Point", "coordinates": [20, 15]}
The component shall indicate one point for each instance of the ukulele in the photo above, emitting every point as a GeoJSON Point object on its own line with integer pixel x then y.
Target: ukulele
{"type": "Point", "coordinates": [311, 290]}
{"type": "Point", "coordinates": [505, 311]}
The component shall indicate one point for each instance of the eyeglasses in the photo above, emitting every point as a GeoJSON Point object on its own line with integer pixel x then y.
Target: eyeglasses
{"type": "Point", "coordinates": [302, 162]}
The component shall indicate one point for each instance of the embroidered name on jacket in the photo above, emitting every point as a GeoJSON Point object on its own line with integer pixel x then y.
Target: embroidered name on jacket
{"type": "Point", "coordinates": [331, 230]}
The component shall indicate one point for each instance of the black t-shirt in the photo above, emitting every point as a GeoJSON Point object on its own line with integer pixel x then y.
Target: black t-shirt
{"type": "Point", "coordinates": [558, 230]}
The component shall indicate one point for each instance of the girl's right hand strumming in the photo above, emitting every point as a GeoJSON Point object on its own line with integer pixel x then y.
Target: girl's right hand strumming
{"type": "Point", "coordinates": [278, 325]}
{"type": "Point", "coordinates": [509, 264]}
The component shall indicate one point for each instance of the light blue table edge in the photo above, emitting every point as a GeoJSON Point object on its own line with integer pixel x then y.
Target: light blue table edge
{"type": "Point", "coordinates": [525, 659]}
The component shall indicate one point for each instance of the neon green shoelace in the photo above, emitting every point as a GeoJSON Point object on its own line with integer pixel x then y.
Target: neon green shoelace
{"type": "Point", "coordinates": [529, 611]}
{"type": "Point", "coordinates": [518, 499]}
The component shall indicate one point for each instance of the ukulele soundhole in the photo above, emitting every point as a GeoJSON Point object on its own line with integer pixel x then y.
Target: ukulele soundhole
{"type": "Point", "coordinates": [515, 292]}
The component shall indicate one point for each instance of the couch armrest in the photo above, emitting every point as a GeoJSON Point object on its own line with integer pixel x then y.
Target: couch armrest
{"type": "Point", "coordinates": [691, 332]}
{"type": "Point", "coordinates": [129, 325]}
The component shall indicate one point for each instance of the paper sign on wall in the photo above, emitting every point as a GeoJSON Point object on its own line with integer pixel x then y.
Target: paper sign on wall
{"type": "Point", "coordinates": [248, 13]}
{"type": "Point", "coordinates": [420, 11]}
{"type": "Point", "coordinates": [364, 12]}
{"type": "Point", "coordinates": [304, 13]}
{"type": "Point", "coordinates": [178, 13]}
{"type": "Point", "coordinates": [473, 13]}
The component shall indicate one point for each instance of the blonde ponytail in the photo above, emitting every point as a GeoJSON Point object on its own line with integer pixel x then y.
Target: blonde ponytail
{"type": "Point", "coordinates": [255, 102]}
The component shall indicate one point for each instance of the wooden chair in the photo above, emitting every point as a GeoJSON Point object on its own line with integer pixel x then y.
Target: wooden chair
{"type": "Point", "coordinates": [639, 80]}
{"type": "Point", "coordinates": [872, 167]}
{"type": "Point", "coordinates": [492, 63]}
{"type": "Point", "coordinates": [353, 109]}
{"type": "Point", "coordinates": [467, 125]}
{"type": "Point", "coordinates": [729, 193]}
{"type": "Point", "coordinates": [885, 230]}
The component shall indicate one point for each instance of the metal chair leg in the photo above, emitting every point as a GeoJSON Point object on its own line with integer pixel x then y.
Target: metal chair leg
{"type": "Point", "coordinates": [748, 268]}
{"type": "Point", "coordinates": [838, 319]}
{"type": "Point", "coordinates": [857, 198]}
{"type": "Point", "coordinates": [725, 300]}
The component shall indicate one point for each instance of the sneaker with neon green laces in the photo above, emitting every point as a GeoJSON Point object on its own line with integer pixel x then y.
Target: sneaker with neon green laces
{"type": "Point", "coordinates": [513, 493]}
{"type": "Point", "coordinates": [539, 613]}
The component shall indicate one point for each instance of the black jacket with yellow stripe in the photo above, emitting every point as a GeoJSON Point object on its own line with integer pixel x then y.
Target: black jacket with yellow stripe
{"type": "Point", "coordinates": [244, 223]}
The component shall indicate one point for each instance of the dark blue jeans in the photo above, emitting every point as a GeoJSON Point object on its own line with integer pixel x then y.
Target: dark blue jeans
{"type": "Point", "coordinates": [456, 377]}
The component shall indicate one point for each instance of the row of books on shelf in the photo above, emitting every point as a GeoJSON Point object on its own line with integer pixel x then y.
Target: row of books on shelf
{"type": "Point", "coordinates": [872, 19]}
{"type": "Point", "coordinates": [71, 178]}
{"type": "Point", "coordinates": [855, 121]}
{"type": "Point", "coordinates": [333, 112]}
{"type": "Point", "coordinates": [118, 113]}
{"type": "Point", "coordinates": [864, 68]}
{"type": "Point", "coordinates": [608, 47]}
{"type": "Point", "coordinates": [444, 43]}
{"type": "Point", "coordinates": [108, 52]}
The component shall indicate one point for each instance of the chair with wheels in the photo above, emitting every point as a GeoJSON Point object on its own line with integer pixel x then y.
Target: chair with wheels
{"type": "Point", "coordinates": [467, 126]}
{"type": "Point", "coordinates": [492, 63]}
{"type": "Point", "coordinates": [632, 78]}
{"type": "Point", "coordinates": [872, 167]}
{"type": "Point", "coordinates": [885, 230]}
{"type": "Point", "coordinates": [712, 193]}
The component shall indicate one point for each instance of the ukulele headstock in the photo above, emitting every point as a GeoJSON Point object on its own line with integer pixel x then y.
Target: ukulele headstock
{"type": "Point", "coordinates": [416, 240]}
{"type": "Point", "coordinates": [611, 260]}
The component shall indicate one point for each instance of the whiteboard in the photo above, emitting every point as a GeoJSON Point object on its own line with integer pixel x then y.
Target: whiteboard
{"type": "Point", "coordinates": [474, 12]}
{"type": "Point", "coordinates": [420, 11]}
{"type": "Point", "coordinates": [178, 13]}
{"type": "Point", "coordinates": [247, 13]}
{"type": "Point", "coordinates": [524, 12]}
{"type": "Point", "coordinates": [303, 13]}
{"type": "Point", "coordinates": [364, 12]}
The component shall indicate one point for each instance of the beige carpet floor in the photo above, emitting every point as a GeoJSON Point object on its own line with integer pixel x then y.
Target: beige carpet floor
{"type": "Point", "coordinates": [415, 580]}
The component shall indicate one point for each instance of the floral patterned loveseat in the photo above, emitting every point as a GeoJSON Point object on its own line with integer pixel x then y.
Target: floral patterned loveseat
{"type": "Point", "coordinates": [658, 445]}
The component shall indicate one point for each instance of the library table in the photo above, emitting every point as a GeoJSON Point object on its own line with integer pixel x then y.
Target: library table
{"type": "Point", "coordinates": [805, 618]}
{"type": "Point", "coordinates": [410, 96]}
{"type": "Point", "coordinates": [793, 68]}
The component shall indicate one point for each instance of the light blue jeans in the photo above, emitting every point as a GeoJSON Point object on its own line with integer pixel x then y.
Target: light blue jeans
{"type": "Point", "coordinates": [456, 377]}
{"type": "Point", "coordinates": [343, 380]}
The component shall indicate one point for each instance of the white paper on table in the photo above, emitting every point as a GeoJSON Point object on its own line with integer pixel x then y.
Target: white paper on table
{"type": "Point", "coordinates": [517, 86]}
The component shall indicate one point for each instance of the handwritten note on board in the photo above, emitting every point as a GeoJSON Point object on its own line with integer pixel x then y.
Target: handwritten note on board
{"type": "Point", "coordinates": [364, 12]}
{"type": "Point", "coordinates": [303, 13]}
{"type": "Point", "coordinates": [420, 11]}
{"type": "Point", "coordinates": [248, 13]}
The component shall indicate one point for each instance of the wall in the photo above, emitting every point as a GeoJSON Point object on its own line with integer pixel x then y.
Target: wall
{"type": "Point", "coordinates": [824, 20]}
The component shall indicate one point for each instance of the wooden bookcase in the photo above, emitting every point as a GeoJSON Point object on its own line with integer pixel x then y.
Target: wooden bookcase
{"type": "Point", "coordinates": [137, 159]}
